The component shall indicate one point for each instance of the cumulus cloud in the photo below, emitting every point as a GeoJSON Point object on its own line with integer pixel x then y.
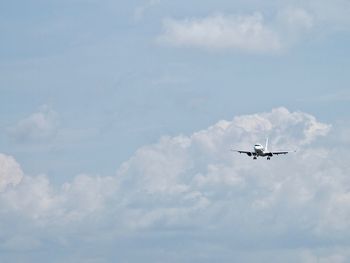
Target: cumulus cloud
{"type": "Point", "coordinates": [36, 198]}
{"type": "Point", "coordinates": [248, 33]}
{"type": "Point", "coordinates": [275, 26]}
{"type": "Point", "coordinates": [198, 170]}
{"type": "Point", "coordinates": [39, 126]}
{"type": "Point", "coordinates": [194, 187]}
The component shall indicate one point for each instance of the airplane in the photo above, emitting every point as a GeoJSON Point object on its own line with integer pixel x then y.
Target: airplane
{"type": "Point", "coordinates": [261, 151]}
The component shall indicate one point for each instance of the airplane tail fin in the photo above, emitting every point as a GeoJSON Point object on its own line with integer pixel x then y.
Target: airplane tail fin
{"type": "Point", "coordinates": [267, 142]}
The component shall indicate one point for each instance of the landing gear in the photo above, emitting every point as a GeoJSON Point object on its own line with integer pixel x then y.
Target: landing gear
{"type": "Point", "coordinates": [268, 158]}
{"type": "Point", "coordinates": [254, 158]}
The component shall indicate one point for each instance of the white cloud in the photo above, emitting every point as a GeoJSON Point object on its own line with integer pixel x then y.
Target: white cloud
{"type": "Point", "coordinates": [176, 166]}
{"type": "Point", "coordinates": [199, 171]}
{"type": "Point", "coordinates": [298, 202]}
{"type": "Point", "coordinates": [274, 27]}
{"type": "Point", "coordinates": [10, 172]}
{"type": "Point", "coordinates": [249, 33]}
{"type": "Point", "coordinates": [37, 199]}
{"type": "Point", "coordinates": [38, 126]}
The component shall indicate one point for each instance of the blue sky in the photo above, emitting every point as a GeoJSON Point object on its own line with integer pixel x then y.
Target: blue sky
{"type": "Point", "coordinates": [115, 110]}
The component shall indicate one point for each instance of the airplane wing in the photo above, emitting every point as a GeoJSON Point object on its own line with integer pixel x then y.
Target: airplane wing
{"type": "Point", "coordinates": [278, 153]}
{"type": "Point", "coordinates": [246, 152]}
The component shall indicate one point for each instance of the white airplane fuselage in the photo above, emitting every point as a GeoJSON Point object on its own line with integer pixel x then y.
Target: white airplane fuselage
{"type": "Point", "coordinates": [260, 150]}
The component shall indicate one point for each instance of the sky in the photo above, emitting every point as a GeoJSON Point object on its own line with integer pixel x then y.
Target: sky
{"type": "Point", "coordinates": [117, 118]}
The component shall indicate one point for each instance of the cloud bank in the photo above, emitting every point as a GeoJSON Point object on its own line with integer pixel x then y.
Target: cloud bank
{"type": "Point", "coordinates": [193, 188]}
